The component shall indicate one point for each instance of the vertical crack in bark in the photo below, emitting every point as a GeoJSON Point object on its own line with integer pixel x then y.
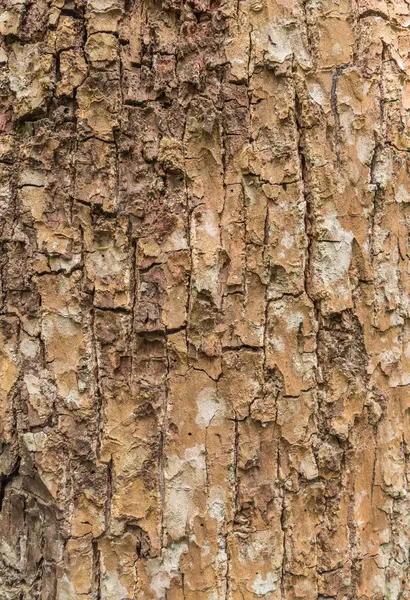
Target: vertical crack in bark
{"type": "Point", "coordinates": [99, 398]}
{"type": "Point", "coordinates": [134, 285]}
{"type": "Point", "coordinates": [162, 447]}
{"type": "Point", "coordinates": [96, 591]}
{"type": "Point", "coordinates": [109, 496]}
{"type": "Point", "coordinates": [335, 111]}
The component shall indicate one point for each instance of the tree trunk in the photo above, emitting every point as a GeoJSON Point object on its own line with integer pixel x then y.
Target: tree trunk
{"type": "Point", "coordinates": [205, 339]}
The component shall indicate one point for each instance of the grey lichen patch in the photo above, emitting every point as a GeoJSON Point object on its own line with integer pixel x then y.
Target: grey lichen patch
{"type": "Point", "coordinates": [30, 78]}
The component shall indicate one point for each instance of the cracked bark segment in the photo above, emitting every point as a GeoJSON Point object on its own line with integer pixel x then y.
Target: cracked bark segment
{"type": "Point", "coordinates": [98, 100]}
{"type": "Point", "coordinates": [30, 78]}
{"type": "Point", "coordinates": [291, 343]}
{"type": "Point", "coordinates": [204, 346]}
{"type": "Point", "coordinates": [95, 181]}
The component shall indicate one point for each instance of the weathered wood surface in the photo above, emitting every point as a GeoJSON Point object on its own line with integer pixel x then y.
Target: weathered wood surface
{"type": "Point", "coordinates": [205, 333]}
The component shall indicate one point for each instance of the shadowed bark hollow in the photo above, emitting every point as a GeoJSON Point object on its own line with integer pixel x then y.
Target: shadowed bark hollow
{"type": "Point", "coordinates": [205, 309]}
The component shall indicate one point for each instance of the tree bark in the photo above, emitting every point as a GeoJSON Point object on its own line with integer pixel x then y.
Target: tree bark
{"type": "Point", "coordinates": [205, 339]}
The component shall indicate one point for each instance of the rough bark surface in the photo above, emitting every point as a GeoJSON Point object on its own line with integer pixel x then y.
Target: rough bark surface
{"type": "Point", "coordinates": [205, 334]}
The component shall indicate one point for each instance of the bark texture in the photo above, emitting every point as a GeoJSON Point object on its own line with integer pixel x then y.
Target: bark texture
{"type": "Point", "coordinates": [205, 334]}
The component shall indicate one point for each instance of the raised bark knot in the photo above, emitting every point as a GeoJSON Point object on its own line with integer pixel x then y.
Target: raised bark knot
{"type": "Point", "coordinates": [171, 155]}
{"type": "Point", "coordinates": [257, 5]}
